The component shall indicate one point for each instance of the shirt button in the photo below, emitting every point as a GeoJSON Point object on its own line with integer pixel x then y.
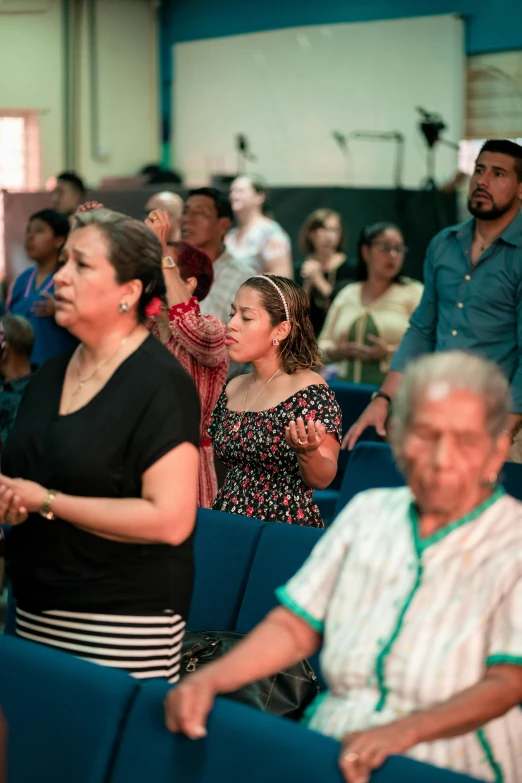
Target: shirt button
{"type": "Point", "coordinates": [454, 333]}
{"type": "Point", "coordinates": [460, 305]}
{"type": "Point", "coordinates": [468, 277]}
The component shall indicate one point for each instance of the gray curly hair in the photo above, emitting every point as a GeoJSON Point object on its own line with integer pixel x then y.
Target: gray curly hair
{"type": "Point", "coordinates": [459, 370]}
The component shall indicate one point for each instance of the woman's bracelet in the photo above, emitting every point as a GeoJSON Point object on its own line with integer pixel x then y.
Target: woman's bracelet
{"type": "Point", "coordinates": [45, 509]}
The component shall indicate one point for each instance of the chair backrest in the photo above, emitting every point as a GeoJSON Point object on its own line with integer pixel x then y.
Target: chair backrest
{"type": "Point", "coordinates": [353, 399]}
{"type": "Point", "coordinates": [512, 479]}
{"type": "Point", "coordinates": [63, 715]}
{"type": "Point", "coordinates": [224, 549]}
{"type": "Point", "coordinates": [242, 744]}
{"type": "Point", "coordinates": [281, 551]}
{"type": "Point", "coordinates": [371, 466]}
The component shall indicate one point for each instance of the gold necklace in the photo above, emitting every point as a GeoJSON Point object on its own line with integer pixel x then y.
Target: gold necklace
{"type": "Point", "coordinates": [245, 409]}
{"type": "Point", "coordinates": [83, 381]}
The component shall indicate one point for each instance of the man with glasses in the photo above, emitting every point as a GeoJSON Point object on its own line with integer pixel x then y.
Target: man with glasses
{"type": "Point", "coordinates": [472, 288]}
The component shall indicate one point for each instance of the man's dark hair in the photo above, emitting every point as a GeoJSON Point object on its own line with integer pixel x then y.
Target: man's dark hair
{"type": "Point", "coordinates": [220, 199]}
{"type": "Point", "coordinates": [19, 334]}
{"type": "Point", "coordinates": [73, 179]}
{"type": "Point", "coordinates": [58, 222]}
{"type": "Point", "coordinates": [505, 147]}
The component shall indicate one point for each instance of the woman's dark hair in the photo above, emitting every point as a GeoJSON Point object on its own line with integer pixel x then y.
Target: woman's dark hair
{"type": "Point", "coordinates": [368, 235]}
{"type": "Point", "coordinates": [261, 188]}
{"type": "Point", "coordinates": [317, 220]}
{"type": "Point", "coordinates": [135, 252]}
{"type": "Point", "coordinates": [57, 221]}
{"type": "Point", "coordinates": [299, 350]}
{"type": "Point", "coordinates": [193, 262]}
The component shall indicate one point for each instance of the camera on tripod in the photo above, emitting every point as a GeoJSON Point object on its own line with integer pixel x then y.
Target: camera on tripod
{"type": "Point", "coordinates": [431, 126]}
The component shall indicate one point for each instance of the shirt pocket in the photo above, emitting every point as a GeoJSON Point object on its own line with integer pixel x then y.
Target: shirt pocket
{"type": "Point", "coordinates": [491, 307]}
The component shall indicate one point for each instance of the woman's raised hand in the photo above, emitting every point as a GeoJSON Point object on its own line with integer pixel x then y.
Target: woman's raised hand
{"type": "Point", "coordinates": [304, 438]}
{"type": "Point", "coordinates": [88, 207]}
{"type": "Point", "coordinates": [159, 221]}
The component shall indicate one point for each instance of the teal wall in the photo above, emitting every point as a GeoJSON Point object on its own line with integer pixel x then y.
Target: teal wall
{"type": "Point", "coordinates": [491, 25]}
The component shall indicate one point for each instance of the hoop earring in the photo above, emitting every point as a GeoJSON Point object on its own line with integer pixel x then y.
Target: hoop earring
{"type": "Point", "coordinates": [123, 308]}
{"type": "Point", "coordinates": [275, 341]}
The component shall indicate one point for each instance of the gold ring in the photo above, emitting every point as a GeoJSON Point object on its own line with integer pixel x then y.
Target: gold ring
{"type": "Point", "coordinates": [351, 756]}
{"type": "Point", "coordinates": [153, 218]}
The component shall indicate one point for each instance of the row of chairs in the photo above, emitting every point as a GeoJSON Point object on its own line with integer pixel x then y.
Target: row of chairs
{"type": "Point", "coordinates": [73, 720]}
{"type": "Point", "coordinates": [372, 465]}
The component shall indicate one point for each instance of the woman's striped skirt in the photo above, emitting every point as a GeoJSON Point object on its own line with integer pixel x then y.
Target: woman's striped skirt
{"type": "Point", "coordinates": [145, 646]}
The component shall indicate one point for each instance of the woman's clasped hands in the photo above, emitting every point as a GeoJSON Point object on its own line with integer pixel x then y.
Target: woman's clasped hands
{"type": "Point", "coordinates": [19, 498]}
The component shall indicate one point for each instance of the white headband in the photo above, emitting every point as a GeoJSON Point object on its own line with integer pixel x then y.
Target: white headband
{"type": "Point", "coordinates": [287, 313]}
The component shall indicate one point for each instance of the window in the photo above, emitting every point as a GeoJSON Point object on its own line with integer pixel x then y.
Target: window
{"type": "Point", "coordinates": [494, 96]}
{"type": "Point", "coordinates": [19, 151]}
{"type": "Point", "coordinates": [468, 152]}
{"type": "Point", "coordinates": [19, 160]}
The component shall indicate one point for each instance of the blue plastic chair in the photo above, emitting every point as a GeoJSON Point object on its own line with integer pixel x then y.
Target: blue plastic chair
{"type": "Point", "coordinates": [512, 479]}
{"type": "Point", "coordinates": [371, 466]}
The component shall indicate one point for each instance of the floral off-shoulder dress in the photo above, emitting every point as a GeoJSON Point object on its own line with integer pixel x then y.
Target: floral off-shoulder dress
{"type": "Point", "coordinates": [263, 478]}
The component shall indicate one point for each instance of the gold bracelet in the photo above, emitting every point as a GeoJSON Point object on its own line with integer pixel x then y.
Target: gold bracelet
{"type": "Point", "coordinates": [45, 509]}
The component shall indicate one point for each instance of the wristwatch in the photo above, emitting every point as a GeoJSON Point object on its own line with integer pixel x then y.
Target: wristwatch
{"type": "Point", "coordinates": [45, 509]}
{"type": "Point", "coordinates": [168, 263]}
{"type": "Point", "coordinates": [382, 394]}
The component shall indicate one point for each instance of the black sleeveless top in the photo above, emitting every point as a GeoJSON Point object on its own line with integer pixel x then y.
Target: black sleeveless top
{"type": "Point", "coordinates": [148, 407]}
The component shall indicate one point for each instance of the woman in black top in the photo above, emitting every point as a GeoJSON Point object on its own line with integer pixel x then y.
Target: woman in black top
{"type": "Point", "coordinates": [326, 269]}
{"type": "Point", "coordinates": [100, 554]}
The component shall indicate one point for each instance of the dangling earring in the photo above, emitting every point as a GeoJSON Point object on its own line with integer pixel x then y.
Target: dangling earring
{"type": "Point", "coordinates": [275, 341]}
{"type": "Point", "coordinates": [123, 308]}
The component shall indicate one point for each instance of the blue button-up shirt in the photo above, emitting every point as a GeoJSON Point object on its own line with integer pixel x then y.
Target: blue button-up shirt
{"type": "Point", "coordinates": [471, 307]}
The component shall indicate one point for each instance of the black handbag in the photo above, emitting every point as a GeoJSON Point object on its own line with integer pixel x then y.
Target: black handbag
{"type": "Point", "coordinates": [287, 693]}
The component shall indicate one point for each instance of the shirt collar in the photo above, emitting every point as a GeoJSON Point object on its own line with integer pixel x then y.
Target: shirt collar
{"type": "Point", "coordinates": [512, 234]}
{"type": "Point", "coordinates": [15, 383]}
{"type": "Point", "coordinates": [423, 543]}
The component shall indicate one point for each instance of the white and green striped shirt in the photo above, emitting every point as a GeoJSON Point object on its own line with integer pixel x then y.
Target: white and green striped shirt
{"type": "Point", "coordinates": [409, 622]}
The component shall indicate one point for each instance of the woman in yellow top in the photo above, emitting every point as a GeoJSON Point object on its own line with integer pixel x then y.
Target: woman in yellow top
{"type": "Point", "coordinates": [367, 319]}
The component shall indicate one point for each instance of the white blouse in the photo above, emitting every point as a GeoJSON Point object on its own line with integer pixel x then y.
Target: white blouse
{"type": "Point", "coordinates": [409, 622]}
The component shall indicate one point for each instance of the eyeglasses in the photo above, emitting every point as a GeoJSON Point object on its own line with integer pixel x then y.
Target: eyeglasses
{"type": "Point", "coordinates": [385, 247]}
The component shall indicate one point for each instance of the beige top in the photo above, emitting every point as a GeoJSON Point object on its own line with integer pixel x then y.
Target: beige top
{"type": "Point", "coordinates": [387, 316]}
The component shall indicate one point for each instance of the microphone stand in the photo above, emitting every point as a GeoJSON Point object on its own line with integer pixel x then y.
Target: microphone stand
{"type": "Point", "coordinates": [341, 141]}
{"type": "Point", "coordinates": [429, 183]}
{"type": "Point", "coordinates": [244, 154]}
{"type": "Point", "coordinates": [395, 136]}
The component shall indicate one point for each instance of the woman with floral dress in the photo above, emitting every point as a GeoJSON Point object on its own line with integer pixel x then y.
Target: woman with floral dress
{"type": "Point", "coordinates": [277, 429]}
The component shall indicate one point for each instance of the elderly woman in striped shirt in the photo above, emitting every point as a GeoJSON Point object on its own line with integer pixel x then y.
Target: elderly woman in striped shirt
{"type": "Point", "coordinates": [196, 340]}
{"type": "Point", "coordinates": [415, 593]}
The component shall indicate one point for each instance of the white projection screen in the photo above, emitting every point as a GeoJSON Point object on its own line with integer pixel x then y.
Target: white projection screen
{"type": "Point", "coordinates": [288, 90]}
